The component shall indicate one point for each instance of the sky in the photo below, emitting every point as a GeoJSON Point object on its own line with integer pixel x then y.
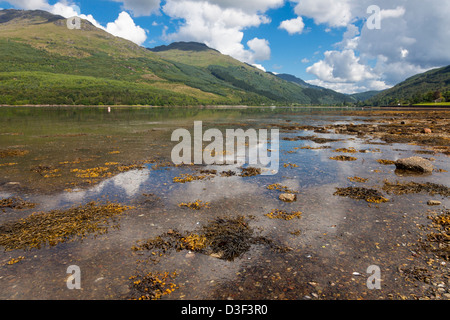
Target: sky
{"type": "Point", "coordinates": [346, 45]}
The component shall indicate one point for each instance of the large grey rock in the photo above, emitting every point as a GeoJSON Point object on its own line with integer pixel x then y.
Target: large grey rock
{"type": "Point", "coordinates": [416, 164]}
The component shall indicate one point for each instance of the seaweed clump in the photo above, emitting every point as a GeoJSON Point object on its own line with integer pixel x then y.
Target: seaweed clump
{"type": "Point", "coordinates": [414, 187]}
{"type": "Point", "coordinates": [59, 226]}
{"type": "Point", "coordinates": [250, 171]}
{"type": "Point", "coordinates": [196, 205]}
{"type": "Point", "coordinates": [357, 193]}
{"type": "Point", "coordinates": [16, 203]}
{"type": "Point", "coordinates": [8, 153]}
{"type": "Point", "coordinates": [346, 150]}
{"type": "Point", "coordinates": [224, 238]}
{"type": "Point", "coordinates": [228, 238]}
{"type": "Point", "coordinates": [284, 215]}
{"type": "Point", "coordinates": [152, 286]}
{"type": "Point", "coordinates": [386, 162]}
{"type": "Point", "coordinates": [344, 158]}
{"type": "Point", "coordinates": [439, 239]}
{"type": "Point", "coordinates": [358, 179]}
{"type": "Point", "coordinates": [188, 178]}
{"type": "Point", "coordinates": [281, 188]}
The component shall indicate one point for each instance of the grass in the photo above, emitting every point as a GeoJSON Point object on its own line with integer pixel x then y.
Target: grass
{"type": "Point", "coordinates": [434, 104]}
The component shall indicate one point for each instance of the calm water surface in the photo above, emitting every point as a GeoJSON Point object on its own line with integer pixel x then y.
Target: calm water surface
{"type": "Point", "coordinates": [334, 238]}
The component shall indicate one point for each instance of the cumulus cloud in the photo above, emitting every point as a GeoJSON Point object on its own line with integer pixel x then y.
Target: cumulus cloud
{"type": "Point", "coordinates": [293, 26]}
{"type": "Point", "coordinates": [341, 66]}
{"type": "Point", "coordinates": [248, 6]}
{"type": "Point", "coordinates": [125, 27]}
{"type": "Point", "coordinates": [260, 48]}
{"type": "Point", "coordinates": [335, 13]}
{"type": "Point", "coordinates": [219, 26]}
{"type": "Point", "coordinates": [260, 67]}
{"type": "Point", "coordinates": [413, 38]}
{"type": "Point", "coordinates": [349, 88]}
{"type": "Point", "coordinates": [140, 7]}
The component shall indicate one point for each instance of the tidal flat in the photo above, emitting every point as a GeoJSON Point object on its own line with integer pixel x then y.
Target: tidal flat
{"type": "Point", "coordinates": [96, 189]}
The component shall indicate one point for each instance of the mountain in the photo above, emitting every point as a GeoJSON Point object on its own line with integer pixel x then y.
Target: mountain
{"type": "Point", "coordinates": [422, 88]}
{"type": "Point", "coordinates": [245, 76]}
{"type": "Point", "coordinates": [323, 95]}
{"type": "Point", "coordinates": [183, 46]}
{"type": "Point", "coordinates": [42, 61]}
{"type": "Point", "coordinates": [300, 82]}
{"type": "Point", "coordinates": [363, 96]}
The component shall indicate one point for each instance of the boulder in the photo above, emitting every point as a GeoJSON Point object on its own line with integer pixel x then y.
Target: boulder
{"type": "Point", "coordinates": [416, 164]}
{"type": "Point", "coordinates": [434, 203]}
{"type": "Point", "coordinates": [288, 197]}
{"type": "Point", "coordinates": [427, 130]}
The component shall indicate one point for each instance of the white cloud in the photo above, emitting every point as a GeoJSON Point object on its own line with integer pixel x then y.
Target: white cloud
{"type": "Point", "coordinates": [256, 65]}
{"type": "Point", "coordinates": [218, 27]}
{"type": "Point", "coordinates": [293, 26]}
{"type": "Point", "coordinates": [140, 7]}
{"type": "Point", "coordinates": [392, 13]}
{"type": "Point", "coordinates": [349, 88]}
{"type": "Point", "coordinates": [341, 66]}
{"type": "Point", "coordinates": [335, 13]}
{"type": "Point", "coordinates": [248, 6]}
{"type": "Point", "coordinates": [344, 72]}
{"type": "Point", "coordinates": [260, 48]}
{"type": "Point", "coordinates": [413, 38]}
{"type": "Point", "coordinates": [125, 27]}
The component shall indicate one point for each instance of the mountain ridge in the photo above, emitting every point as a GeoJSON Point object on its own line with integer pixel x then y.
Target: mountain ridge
{"type": "Point", "coordinates": [427, 87]}
{"type": "Point", "coordinates": [44, 62]}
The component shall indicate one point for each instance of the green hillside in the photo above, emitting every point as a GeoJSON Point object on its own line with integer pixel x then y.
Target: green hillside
{"type": "Point", "coordinates": [363, 96]}
{"type": "Point", "coordinates": [247, 77]}
{"type": "Point", "coordinates": [44, 62]}
{"type": "Point", "coordinates": [427, 87]}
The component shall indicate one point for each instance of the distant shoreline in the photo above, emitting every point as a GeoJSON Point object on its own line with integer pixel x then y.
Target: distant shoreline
{"type": "Point", "coordinates": [412, 107]}
{"type": "Point", "coordinates": [148, 106]}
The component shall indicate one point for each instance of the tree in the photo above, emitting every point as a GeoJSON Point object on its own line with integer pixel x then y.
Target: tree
{"type": "Point", "coordinates": [437, 95]}
{"type": "Point", "coordinates": [446, 96]}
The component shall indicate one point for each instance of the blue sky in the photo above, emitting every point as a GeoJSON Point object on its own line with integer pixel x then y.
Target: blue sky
{"type": "Point", "coordinates": [326, 42]}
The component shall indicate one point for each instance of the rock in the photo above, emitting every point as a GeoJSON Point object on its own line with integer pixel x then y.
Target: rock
{"type": "Point", "coordinates": [416, 164]}
{"type": "Point", "coordinates": [288, 197]}
{"type": "Point", "coordinates": [434, 203]}
{"type": "Point", "coordinates": [427, 130]}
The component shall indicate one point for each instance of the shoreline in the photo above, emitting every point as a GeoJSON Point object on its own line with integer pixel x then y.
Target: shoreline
{"type": "Point", "coordinates": [400, 108]}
